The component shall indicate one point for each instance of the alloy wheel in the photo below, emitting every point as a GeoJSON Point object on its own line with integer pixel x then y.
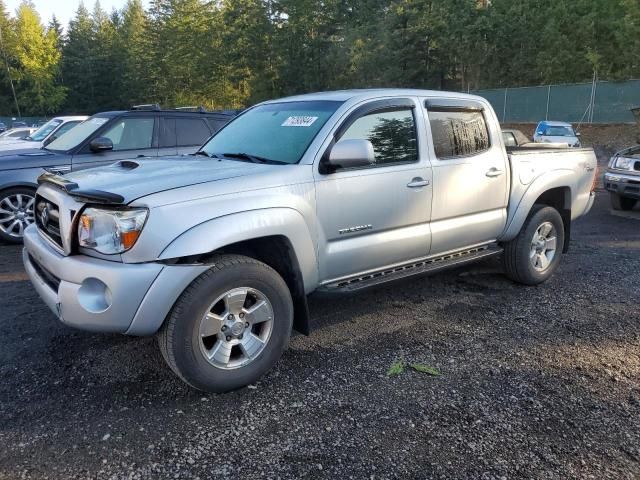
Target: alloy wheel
{"type": "Point", "coordinates": [544, 245]}
{"type": "Point", "coordinates": [236, 328]}
{"type": "Point", "coordinates": [16, 214]}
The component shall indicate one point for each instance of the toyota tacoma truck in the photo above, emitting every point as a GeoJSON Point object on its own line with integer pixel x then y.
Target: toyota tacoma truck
{"type": "Point", "coordinates": [622, 178]}
{"type": "Point", "coordinates": [216, 252]}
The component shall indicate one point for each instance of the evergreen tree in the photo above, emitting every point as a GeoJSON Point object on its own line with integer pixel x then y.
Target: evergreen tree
{"type": "Point", "coordinates": [136, 59]}
{"type": "Point", "coordinates": [77, 65]}
{"type": "Point", "coordinates": [38, 62]}
{"type": "Point", "coordinates": [7, 62]}
{"type": "Point", "coordinates": [55, 27]}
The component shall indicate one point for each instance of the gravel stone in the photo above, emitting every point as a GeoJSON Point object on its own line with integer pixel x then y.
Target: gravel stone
{"type": "Point", "coordinates": [536, 382]}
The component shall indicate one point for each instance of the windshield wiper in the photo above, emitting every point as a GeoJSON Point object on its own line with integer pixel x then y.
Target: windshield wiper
{"type": "Point", "coordinates": [206, 154]}
{"type": "Point", "coordinates": [252, 158]}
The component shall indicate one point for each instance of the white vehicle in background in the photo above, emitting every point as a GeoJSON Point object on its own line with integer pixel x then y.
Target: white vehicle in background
{"type": "Point", "coordinates": [558, 133]}
{"type": "Point", "coordinates": [15, 134]}
{"type": "Point", "coordinates": [44, 135]}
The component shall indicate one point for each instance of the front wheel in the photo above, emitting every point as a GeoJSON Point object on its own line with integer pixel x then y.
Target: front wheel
{"type": "Point", "coordinates": [622, 203]}
{"type": "Point", "coordinates": [534, 255]}
{"type": "Point", "coordinates": [230, 326]}
{"type": "Point", "coordinates": [16, 213]}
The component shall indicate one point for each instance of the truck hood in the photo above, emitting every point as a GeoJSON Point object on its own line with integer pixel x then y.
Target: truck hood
{"type": "Point", "coordinates": [133, 179]}
{"type": "Point", "coordinates": [31, 158]}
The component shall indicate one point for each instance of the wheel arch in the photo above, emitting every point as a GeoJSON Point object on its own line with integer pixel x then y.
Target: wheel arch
{"type": "Point", "coordinates": [277, 237]}
{"type": "Point", "coordinates": [554, 192]}
{"type": "Point", "coordinates": [9, 186]}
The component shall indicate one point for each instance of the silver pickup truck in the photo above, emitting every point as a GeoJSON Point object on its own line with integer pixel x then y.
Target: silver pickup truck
{"type": "Point", "coordinates": [217, 252]}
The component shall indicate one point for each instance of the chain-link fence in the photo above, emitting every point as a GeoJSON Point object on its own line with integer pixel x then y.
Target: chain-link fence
{"type": "Point", "coordinates": [597, 102]}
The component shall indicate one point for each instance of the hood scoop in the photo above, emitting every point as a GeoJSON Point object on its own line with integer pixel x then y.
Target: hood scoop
{"type": "Point", "coordinates": [127, 165]}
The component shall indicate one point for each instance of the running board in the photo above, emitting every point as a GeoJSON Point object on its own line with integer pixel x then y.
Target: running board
{"type": "Point", "coordinates": [428, 265]}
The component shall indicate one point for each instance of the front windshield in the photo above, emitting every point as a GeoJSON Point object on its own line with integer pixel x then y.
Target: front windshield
{"type": "Point", "coordinates": [559, 132]}
{"type": "Point", "coordinates": [77, 134]}
{"type": "Point", "coordinates": [280, 132]}
{"type": "Point", "coordinates": [44, 131]}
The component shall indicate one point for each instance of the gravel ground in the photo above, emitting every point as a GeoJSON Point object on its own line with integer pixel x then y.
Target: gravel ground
{"type": "Point", "coordinates": [536, 382]}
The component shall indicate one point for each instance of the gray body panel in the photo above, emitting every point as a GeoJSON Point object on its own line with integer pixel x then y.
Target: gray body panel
{"type": "Point", "coordinates": [340, 225]}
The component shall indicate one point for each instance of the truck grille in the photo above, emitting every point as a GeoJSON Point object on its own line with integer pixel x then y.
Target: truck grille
{"type": "Point", "coordinates": [47, 216]}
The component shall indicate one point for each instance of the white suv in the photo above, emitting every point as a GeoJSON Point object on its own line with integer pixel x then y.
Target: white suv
{"type": "Point", "coordinates": [46, 134]}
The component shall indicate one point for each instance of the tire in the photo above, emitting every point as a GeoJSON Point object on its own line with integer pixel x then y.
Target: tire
{"type": "Point", "coordinates": [16, 213]}
{"type": "Point", "coordinates": [528, 259]}
{"type": "Point", "coordinates": [622, 203]}
{"type": "Point", "coordinates": [194, 339]}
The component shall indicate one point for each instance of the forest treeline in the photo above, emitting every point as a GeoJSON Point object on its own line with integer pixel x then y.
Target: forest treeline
{"type": "Point", "coordinates": [232, 53]}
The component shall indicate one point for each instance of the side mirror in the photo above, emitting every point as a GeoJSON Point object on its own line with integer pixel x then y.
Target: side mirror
{"type": "Point", "coordinates": [351, 154]}
{"type": "Point", "coordinates": [578, 134]}
{"type": "Point", "coordinates": [101, 144]}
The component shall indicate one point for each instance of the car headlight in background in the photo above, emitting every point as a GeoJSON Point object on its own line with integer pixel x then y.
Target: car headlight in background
{"type": "Point", "coordinates": [622, 163]}
{"type": "Point", "coordinates": [110, 231]}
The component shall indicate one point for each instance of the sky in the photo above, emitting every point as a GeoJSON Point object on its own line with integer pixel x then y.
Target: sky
{"type": "Point", "coordinates": [65, 9]}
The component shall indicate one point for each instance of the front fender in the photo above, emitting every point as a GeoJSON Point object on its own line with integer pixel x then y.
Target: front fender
{"type": "Point", "coordinates": [524, 198]}
{"type": "Point", "coordinates": [219, 232]}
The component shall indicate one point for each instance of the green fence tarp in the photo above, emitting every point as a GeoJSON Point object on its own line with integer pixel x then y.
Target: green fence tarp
{"type": "Point", "coordinates": [612, 102]}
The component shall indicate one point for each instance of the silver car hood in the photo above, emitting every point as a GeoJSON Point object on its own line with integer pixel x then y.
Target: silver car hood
{"type": "Point", "coordinates": [137, 178]}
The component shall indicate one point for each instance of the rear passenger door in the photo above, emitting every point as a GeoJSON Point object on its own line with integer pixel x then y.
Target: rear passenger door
{"type": "Point", "coordinates": [132, 137]}
{"type": "Point", "coordinates": [191, 133]}
{"type": "Point", "coordinates": [470, 174]}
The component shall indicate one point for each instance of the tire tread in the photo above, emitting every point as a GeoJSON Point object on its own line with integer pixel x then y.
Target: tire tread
{"type": "Point", "coordinates": [166, 335]}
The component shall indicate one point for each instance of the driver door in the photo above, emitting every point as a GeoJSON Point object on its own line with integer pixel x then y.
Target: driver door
{"type": "Point", "coordinates": [375, 216]}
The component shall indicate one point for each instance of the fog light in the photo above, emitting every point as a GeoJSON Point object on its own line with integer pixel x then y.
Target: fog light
{"type": "Point", "coordinates": [94, 295]}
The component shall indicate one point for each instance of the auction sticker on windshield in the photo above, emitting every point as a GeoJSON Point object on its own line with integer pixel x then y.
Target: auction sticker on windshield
{"type": "Point", "coordinates": [299, 121]}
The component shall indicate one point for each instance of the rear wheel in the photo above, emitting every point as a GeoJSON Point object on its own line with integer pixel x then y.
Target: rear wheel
{"type": "Point", "coordinates": [230, 326]}
{"type": "Point", "coordinates": [622, 203]}
{"type": "Point", "coordinates": [16, 213]}
{"type": "Point", "coordinates": [534, 255]}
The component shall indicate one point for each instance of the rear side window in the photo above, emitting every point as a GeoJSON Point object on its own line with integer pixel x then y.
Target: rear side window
{"type": "Point", "coordinates": [458, 133]}
{"type": "Point", "coordinates": [191, 131]}
{"type": "Point", "coordinates": [391, 132]}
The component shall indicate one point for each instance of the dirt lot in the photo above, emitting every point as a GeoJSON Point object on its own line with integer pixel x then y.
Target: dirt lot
{"type": "Point", "coordinates": [539, 382]}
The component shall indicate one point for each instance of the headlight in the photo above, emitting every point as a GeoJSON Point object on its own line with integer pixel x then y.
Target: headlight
{"type": "Point", "coordinates": [622, 163]}
{"type": "Point", "coordinates": [110, 231]}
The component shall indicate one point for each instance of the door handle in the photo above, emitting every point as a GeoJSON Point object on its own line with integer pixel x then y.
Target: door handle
{"type": "Point", "coordinates": [494, 172]}
{"type": "Point", "coordinates": [418, 183]}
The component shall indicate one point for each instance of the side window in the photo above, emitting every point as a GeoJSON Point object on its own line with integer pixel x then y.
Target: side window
{"type": "Point", "coordinates": [191, 131]}
{"type": "Point", "coordinates": [391, 132]}
{"type": "Point", "coordinates": [167, 137]}
{"type": "Point", "coordinates": [458, 133]}
{"type": "Point", "coordinates": [131, 133]}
